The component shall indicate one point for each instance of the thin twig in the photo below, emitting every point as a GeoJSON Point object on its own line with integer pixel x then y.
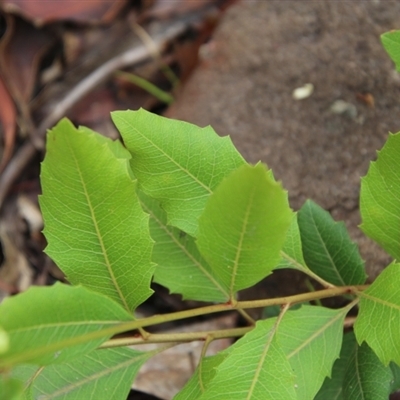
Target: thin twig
{"type": "Point", "coordinates": [180, 337]}
{"type": "Point", "coordinates": [160, 319]}
{"type": "Point", "coordinates": [129, 57]}
{"type": "Point", "coordinates": [349, 322]}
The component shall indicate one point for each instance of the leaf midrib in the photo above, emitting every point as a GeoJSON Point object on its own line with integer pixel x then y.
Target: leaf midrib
{"type": "Point", "coordinates": [186, 171]}
{"type": "Point", "coordinates": [240, 243]}
{"type": "Point", "coordinates": [333, 265]}
{"type": "Point", "coordinates": [98, 233]}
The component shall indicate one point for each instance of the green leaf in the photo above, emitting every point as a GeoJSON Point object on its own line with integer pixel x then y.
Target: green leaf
{"type": "Point", "coordinates": [378, 320]}
{"type": "Point", "coordinates": [202, 377]}
{"type": "Point", "coordinates": [395, 384]}
{"type": "Point", "coordinates": [177, 163]}
{"type": "Point", "coordinates": [96, 230]}
{"type": "Point", "coordinates": [256, 368]}
{"type": "Point", "coordinates": [53, 324]}
{"type": "Point", "coordinates": [10, 389]}
{"type": "Point", "coordinates": [292, 252]}
{"type": "Point", "coordinates": [332, 388]}
{"type": "Point", "coordinates": [366, 378]}
{"type": "Point", "coordinates": [101, 374]}
{"type": "Point", "coordinates": [180, 267]}
{"type": "Point", "coordinates": [380, 198]}
{"type": "Point", "coordinates": [314, 347]}
{"type": "Point", "coordinates": [115, 146]}
{"type": "Point", "coordinates": [327, 248]}
{"type": "Point", "coordinates": [243, 227]}
{"type": "Point", "coordinates": [391, 43]}
{"type": "Point", "coordinates": [311, 352]}
{"type": "Point", "coordinates": [4, 341]}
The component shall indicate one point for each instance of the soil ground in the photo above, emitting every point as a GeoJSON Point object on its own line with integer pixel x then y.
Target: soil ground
{"type": "Point", "coordinates": [243, 87]}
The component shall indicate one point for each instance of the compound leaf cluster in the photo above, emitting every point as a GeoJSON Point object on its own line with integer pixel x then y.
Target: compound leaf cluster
{"type": "Point", "coordinates": [180, 206]}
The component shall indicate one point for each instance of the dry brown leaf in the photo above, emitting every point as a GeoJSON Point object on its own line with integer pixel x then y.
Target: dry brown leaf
{"type": "Point", "coordinates": [8, 117]}
{"type": "Point", "coordinates": [166, 9]}
{"type": "Point", "coordinates": [94, 11]}
{"type": "Point", "coordinates": [366, 98]}
{"type": "Point", "coordinates": [30, 212]}
{"type": "Point", "coordinates": [21, 49]}
{"type": "Point", "coordinates": [15, 270]}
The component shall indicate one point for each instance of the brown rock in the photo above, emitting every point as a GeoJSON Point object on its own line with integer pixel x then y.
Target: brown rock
{"type": "Point", "coordinates": [262, 51]}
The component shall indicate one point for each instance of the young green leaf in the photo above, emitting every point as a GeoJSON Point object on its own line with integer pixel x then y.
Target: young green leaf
{"type": "Point", "coordinates": [378, 320]}
{"type": "Point", "coordinates": [100, 374]}
{"type": "Point", "coordinates": [380, 198]}
{"type": "Point", "coordinates": [311, 338]}
{"type": "Point", "coordinates": [53, 324]}
{"type": "Point", "coordinates": [365, 376]}
{"type": "Point", "coordinates": [327, 248]}
{"type": "Point", "coordinates": [256, 368]}
{"type": "Point", "coordinates": [391, 43]}
{"type": "Point", "coordinates": [243, 227]}
{"type": "Point", "coordinates": [180, 267]}
{"type": "Point", "coordinates": [177, 163]}
{"type": "Point", "coordinates": [97, 232]}
{"type": "Point", "coordinates": [332, 388]}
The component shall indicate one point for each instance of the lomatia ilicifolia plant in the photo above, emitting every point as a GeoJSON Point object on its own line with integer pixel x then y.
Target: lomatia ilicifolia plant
{"type": "Point", "coordinates": [179, 205]}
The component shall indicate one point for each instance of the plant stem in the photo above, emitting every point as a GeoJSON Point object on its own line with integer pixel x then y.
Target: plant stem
{"type": "Point", "coordinates": [177, 337]}
{"type": "Point", "coordinates": [122, 327]}
{"type": "Point", "coordinates": [298, 298]}
{"type": "Point", "coordinates": [247, 317]}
